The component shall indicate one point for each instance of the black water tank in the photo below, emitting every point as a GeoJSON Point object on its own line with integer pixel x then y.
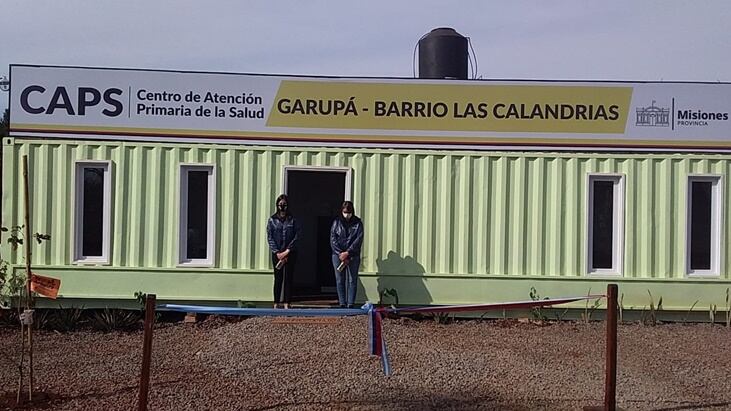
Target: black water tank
{"type": "Point", "coordinates": [443, 54]}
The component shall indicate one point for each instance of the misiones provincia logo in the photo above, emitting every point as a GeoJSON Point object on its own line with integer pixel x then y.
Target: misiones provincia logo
{"type": "Point", "coordinates": [678, 116]}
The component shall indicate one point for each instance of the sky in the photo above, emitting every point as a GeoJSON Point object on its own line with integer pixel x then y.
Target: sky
{"type": "Point", "coordinates": [576, 40]}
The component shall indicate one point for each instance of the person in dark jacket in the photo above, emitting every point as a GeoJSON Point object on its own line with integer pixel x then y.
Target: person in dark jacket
{"type": "Point", "coordinates": [282, 233]}
{"type": "Point", "coordinates": [346, 240]}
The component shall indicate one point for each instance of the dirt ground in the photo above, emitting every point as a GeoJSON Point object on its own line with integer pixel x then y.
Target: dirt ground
{"type": "Point", "coordinates": [264, 364]}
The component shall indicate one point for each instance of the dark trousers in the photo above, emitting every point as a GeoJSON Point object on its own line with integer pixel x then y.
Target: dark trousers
{"type": "Point", "coordinates": [283, 278]}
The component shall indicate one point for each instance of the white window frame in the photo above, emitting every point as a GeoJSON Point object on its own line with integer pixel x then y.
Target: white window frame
{"type": "Point", "coordinates": [210, 218]}
{"type": "Point", "coordinates": [716, 181]}
{"type": "Point", "coordinates": [618, 224]}
{"type": "Point", "coordinates": [78, 214]}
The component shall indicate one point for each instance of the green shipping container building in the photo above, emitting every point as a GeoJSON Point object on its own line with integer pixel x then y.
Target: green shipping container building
{"type": "Point", "coordinates": [470, 191]}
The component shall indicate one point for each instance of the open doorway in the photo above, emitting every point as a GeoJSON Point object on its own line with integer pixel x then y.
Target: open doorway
{"type": "Point", "coordinates": [315, 196]}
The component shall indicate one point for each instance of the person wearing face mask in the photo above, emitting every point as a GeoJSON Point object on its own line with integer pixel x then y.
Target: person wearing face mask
{"type": "Point", "coordinates": [346, 239]}
{"type": "Point", "coordinates": [282, 233]}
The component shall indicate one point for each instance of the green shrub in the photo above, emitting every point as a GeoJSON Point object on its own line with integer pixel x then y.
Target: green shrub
{"type": "Point", "coordinates": [537, 312]}
{"type": "Point", "coordinates": [113, 319]}
{"type": "Point", "coordinates": [589, 311]}
{"type": "Point", "coordinates": [650, 318]}
{"type": "Point", "coordinates": [443, 318]}
{"type": "Point", "coordinates": [42, 319]}
{"type": "Point", "coordinates": [8, 317]}
{"type": "Point", "coordinates": [66, 319]}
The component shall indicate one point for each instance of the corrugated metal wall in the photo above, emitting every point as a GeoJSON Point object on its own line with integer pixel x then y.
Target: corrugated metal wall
{"type": "Point", "coordinates": [436, 212]}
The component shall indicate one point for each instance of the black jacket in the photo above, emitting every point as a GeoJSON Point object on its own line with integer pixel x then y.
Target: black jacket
{"type": "Point", "coordinates": [347, 236]}
{"type": "Point", "coordinates": [282, 234]}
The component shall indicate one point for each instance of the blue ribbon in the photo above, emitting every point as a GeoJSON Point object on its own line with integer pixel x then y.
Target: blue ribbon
{"type": "Point", "coordinates": [268, 312]}
{"type": "Point", "coordinates": [375, 321]}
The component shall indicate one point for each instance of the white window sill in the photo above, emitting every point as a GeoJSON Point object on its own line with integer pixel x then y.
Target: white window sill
{"type": "Point", "coordinates": [701, 274]}
{"type": "Point", "coordinates": [603, 274]}
{"type": "Point", "coordinates": [91, 262]}
{"type": "Point", "coordinates": [195, 265]}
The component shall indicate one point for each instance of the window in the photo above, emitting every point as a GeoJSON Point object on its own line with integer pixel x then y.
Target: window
{"type": "Point", "coordinates": [92, 211]}
{"type": "Point", "coordinates": [605, 224]}
{"type": "Point", "coordinates": [197, 214]}
{"type": "Point", "coordinates": [703, 227]}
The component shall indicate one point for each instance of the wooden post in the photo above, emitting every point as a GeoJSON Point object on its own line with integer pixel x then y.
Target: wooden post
{"type": "Point", "coordinates": [610, 377]}
{"type": "Point", "coordinates": [146, 352]}
{"type": "Point", "coordinates": [610, 381]}
{"type": "Point", "coordinates": [29, 294]}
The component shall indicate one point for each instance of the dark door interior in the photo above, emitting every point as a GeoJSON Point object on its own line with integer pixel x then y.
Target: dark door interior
{"type": "Point", "coordinates": [314, 199]}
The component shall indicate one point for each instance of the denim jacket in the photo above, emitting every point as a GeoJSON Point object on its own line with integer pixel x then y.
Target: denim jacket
{"type": "Point", "coordinates": [346, 236]}
{"type": "Point", "coordinates": [282, 235]}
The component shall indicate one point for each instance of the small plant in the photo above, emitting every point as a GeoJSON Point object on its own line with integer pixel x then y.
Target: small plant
{"type": "Point", "coordinates": [589, 311]}
{"type": "Point", "coordinates": [4, 303]}
{"type": "Point", "coordinates": [392, 293]}
{"type": "Point", "coordinates": [728, 309]}
{"type": "Point", "coordinates": [11, 283]}
{"type": "Point", "coordinates": [141, 299]}
{"type": "Point", "coordinates": [484, 314]}
{"type": "Point", "coordinates": [651, 319]}
{"type": "Point", "coordinates": [245, 304]}
{"type": "Point", "coordinates": [40, 238]}
{"type": "Point", "coordinates": [66, 319]}
{"type": "Point", "coordinates": [559, 315]}
{"type": "Point", "coordinates": [8, 318]}
{"type": "Point", "coordinates": [114, 319]}
{"type": "Point", "coordinates": [11, 286]}
{"type": "Point", "coordinates": [643, 314]}
{"type": "Point", "coordinates": [15, 233]}
{"type": "Point", "coordinates": [687, 314]}
{"type": "Point", "coordinates": [621, 308]}
{"type": "Point", "coordinates": [142, 302]}
{"type": "Point", "coordinates": [42, 319]}
{"type": "Point", "coordinates": [537, 312]}
{"type": "Point", "coordinates": [712, 313]}
{"type": "Point", "coordinates": [443, 318]}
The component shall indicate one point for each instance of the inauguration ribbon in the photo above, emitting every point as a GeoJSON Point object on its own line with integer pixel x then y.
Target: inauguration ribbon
{"type": "Point", "coordinates": [265, 312]}
{"type": "Point", "coordinates": [376, 338]}
{"type": "Point", "coordinates": [493, 306]}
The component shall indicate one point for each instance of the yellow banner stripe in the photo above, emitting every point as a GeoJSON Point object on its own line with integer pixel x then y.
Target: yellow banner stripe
{"type": "Point", "coordinates": [447, 107]}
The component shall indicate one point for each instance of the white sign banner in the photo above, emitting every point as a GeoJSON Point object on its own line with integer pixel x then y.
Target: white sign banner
{"type": "Point", "coordinates": [69, 102]}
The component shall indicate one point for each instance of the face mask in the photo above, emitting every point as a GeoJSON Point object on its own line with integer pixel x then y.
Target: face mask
{"type": "Point", "coordinates": [347, 215]}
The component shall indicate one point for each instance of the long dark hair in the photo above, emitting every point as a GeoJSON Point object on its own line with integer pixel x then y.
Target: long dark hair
{"type": "Point", "coordinates": [276, 204]}
{"type": "Point", "coordinates": [281, 197]}
{"type": "Point", "coordinates": [348, 206]}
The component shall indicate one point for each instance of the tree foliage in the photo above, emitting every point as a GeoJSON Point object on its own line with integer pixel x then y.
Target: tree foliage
{"type": "Point", "coordinates": [5, 123]}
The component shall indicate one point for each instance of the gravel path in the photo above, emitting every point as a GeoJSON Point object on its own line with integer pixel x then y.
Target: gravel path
{"type": "Point", "coordinates": [260, 364]}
